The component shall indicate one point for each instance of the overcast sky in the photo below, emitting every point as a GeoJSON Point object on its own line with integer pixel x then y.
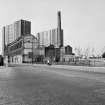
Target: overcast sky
{"type": "Point", "coordinates": [83, 21]}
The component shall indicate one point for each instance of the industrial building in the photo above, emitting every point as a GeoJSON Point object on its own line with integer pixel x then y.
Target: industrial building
{"type": "Point", "coordinates": [66, 54]}
{"type": "Point", "coordinates": [17, 29]}
{"type": "Point", "coordinates": [20, 46]}
{"type": "Point", "coordinates": [52, 36]}
{"type": "Point", "coordinates": [18, 51]}
{"type": "Point", "coordinates": [17, 41]}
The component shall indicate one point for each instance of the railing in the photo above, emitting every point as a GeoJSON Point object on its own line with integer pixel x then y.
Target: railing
{"type": "Point", "coordinates": [93, 63]}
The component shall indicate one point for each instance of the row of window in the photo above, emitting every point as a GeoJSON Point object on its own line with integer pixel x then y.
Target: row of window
{"type": "Point", "coordinates": [16, 46]}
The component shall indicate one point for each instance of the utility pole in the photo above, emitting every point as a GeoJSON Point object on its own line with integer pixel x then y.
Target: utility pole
{"type": "Point", "coordinates": [32, 50]}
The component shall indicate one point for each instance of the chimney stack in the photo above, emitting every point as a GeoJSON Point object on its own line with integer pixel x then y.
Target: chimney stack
{"type": "Point", "coordinates": [60, 31]}
{"type": "Point", "coordinates": [59, 20]}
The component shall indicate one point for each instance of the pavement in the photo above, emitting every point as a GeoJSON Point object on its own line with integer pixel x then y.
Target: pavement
{"type": "Point", "coordinates": [78, 68]}
{"type": "Point", "coordinates": [68, 67]}
{"type": "Point", "coordinates": [82, 68]}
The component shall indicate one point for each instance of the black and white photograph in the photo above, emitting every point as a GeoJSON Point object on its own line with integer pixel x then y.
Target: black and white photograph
{"type": "Point", "coordinates": [52, 52]}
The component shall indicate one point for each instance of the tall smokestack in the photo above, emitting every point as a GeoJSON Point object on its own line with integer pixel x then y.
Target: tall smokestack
{"type": "Point", "coordinates": [60, 31]}
{"type": "Point", "coordinates": [59, 20]}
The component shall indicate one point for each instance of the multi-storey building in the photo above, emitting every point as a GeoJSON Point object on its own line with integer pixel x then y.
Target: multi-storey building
{"type": "Point", "coordinates": [20, 46]}
{"type": "Point", "coordinates": [52, 37]}
{"type": "Point", "coordinates": [48, 38]}
{"type": "Point", "coordinates": [22, 27]}
{"type": "Point", "coordinates": [16, 30]}
{"type": "Point", "coordinates": [19, 50]}
{"type": "Point", "coordinates": [18, 42]}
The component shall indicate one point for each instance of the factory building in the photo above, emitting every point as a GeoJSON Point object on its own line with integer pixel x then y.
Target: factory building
{"type": "Point", "coordinates": [17, 42]}
{"type": "Point", "coordinates": [20, 46]}
{"type": "Point", "coordinates": [19, 50]}
{"type": "Point", "coordinates": [52, 36]}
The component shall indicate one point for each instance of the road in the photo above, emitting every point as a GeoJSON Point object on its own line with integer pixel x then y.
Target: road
{"type": "Point", "coordinates": [48, 85]}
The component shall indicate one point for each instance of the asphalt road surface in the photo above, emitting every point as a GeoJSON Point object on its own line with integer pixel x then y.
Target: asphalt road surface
{"type": "Point", "coordinates": [45, 85]}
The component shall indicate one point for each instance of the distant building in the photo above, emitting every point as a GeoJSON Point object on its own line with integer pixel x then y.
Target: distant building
{"type": "Point", "coordinates": [52, 37]}
{"type": "Point", "coordinates": [13, 31]}
{"type": "Point", "coordinates": [68, 58]}
{"type": "Point", "coordinates": [68, 50]}
{"type": "Point", "coordinates": [52, 53]}
{"type": "Point", "coordinates": [19, 50]}
{"type": "Point", "coordinates": [38, 55]}
{"type": "Point", "coordinates": [21, 28]}
{"type": "Point", "coordinates": [66, 54]}
{"type": "Point", "coordinates": [17, 42]}
{"type": "Point", "coordinates": [20, 46]}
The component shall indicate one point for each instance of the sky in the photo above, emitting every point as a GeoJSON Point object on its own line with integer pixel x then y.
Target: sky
{"type": "Point", "coordinates": [83, 21]}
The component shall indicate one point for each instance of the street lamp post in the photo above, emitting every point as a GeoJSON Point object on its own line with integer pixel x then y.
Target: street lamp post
{"type": "Point", "coordinates": [32, 50]}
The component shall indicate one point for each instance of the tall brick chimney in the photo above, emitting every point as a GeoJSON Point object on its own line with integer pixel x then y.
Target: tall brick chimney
{"type": "Point", "coordinates": [60, 31]}
{"type": "Point", "coordinates": [59, 20]}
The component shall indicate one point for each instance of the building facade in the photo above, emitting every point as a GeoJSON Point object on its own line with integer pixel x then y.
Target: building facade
{"type": "Point", "coordinates": [52, 53]}
{"type": "Point", "coordinates": [50, 37]}
{"type": "Point", "coordinates": [17, 29]}
{"type": "Point", "coordinates": [68, 50]}
{"type": "Point", "coordinates": [20, 46]}
{"type": "Point", "coordinates": [53, 36]}
{"type": "Point", "coordinates": [14, 45]}
{"type": "Point", "coordinates": [19, 50]}
{"type": "Point", "coordinates": [66, 54]}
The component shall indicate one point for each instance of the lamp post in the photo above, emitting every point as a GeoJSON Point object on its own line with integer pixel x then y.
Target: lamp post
{"type": "Point", "coordinates": [32, 50]}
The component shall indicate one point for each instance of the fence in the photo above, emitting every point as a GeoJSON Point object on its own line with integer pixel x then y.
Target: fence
{"type": "Point", "coordinates": [85, 62]}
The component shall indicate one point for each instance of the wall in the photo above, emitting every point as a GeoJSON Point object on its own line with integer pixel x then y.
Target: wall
{"type": "Point", "coordinates": [17, 59]}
